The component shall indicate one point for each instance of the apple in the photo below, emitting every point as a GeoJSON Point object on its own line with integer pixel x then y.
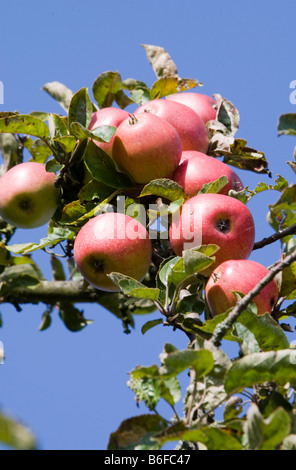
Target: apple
{"type": "Point", "coordinates": [196, 169]}
{"type": "Point", "coordinates": [241, 276]}
{"type": "Point", "coordinates": [214, 219]}
{"type": "Point", "coordinates": [146, 147]}
{"type": "Point", "coordinates": [28, 195]}
{"type": "Point", "coordinates": [107, 116]}
{"type": "Point", "coordinates": [191, 128]}
{"type": "Point", "coordinates": [112, 242]}
{"type": "Point", "coordinates": [203, 105]}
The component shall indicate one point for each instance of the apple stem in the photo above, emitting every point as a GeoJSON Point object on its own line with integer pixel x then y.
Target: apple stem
{"type": "Point", "coordinates": [133, 120]}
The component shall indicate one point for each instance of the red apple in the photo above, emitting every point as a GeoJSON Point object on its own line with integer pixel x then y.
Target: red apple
{"type": "Point", "coordinates": [214, 219]}
{"type": "Point", "coordinates": [191, 128]}
{"type": "Point", "coordinates": [146, 147]}
{"type": "Point", "coordinates": [203, 105]}
{"type": "Point", "coordinates": [28, 196]}
{"type": "Point", "coordinates": [241, 276]}
{"type": "Point", "coordinates": [196, 169]}
{"type": "Point", "coordinates": [112, 242]}
{"type": "Point", "coordinates": [107, 116]}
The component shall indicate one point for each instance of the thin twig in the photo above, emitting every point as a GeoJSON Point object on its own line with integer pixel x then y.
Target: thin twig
{"type": "Point", "coordinates": [275, 237]}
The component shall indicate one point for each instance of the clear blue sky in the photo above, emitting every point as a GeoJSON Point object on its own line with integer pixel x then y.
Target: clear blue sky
{"type": "Point", "coordinates": [71, 388]}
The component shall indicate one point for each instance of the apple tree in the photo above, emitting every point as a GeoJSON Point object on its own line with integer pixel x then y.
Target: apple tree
{"type": "Point", "coordinates": [97, 165]}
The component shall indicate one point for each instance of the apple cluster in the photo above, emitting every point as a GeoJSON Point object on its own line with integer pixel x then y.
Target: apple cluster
{"type": "Point", "coordinates": [163, 138]}
{"type": "Point", "coordinates": [168, 138]}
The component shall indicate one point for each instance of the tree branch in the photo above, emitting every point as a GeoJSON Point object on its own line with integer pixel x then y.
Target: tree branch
{"type": "Point", "coordinates": [53, 292]}
{"type": "Point", "coordinates": [222, 328]}
{"type": "Point", "coordinates": [276, 236]}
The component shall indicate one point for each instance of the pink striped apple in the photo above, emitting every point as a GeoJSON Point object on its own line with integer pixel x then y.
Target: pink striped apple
{"type": "Point", "coordinates": [240, 276]}
{"type": "Point", "coordinates": [28, 196]}
{"type": "Point", "coordinates": [203, 105]}
{"type": "Point", "coordinates": [112, 242]}
{"type": "Point", "coordinates": [188, 124]}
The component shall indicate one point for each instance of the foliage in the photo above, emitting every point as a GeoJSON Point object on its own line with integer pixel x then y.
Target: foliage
{"type": "Point", "coordinates": [263, 373]}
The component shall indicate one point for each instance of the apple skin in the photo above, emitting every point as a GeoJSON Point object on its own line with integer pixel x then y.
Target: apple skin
{"type": "Point", "coordinates": [146, 147]}
{"type": "Point", "coordinates": [107, 116]}
{"type": "Point", "coordinates": [112, 242]}
{"type": "Point", "coordinates": [28, 196]}
{"type": "Point", "coordinates": [202, 104]}
{"type": "Point", "coordinates": [214, 219]}
{"type": "Point", "coordinates": [189, 125]}
{"type": "Point", "coordinates": [196, 169]}
{"type": "Point", "coordinates": [241, 276]}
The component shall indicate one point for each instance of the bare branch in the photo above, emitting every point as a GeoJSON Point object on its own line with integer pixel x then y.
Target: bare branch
{"type": "Point", "coordinates": [276, 236]}
{"type": "Point", "coordinates": [53, 292]}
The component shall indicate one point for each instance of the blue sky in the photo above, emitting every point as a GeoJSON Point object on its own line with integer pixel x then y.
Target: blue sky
{"type": "Point", "coordinates": [71, 388]}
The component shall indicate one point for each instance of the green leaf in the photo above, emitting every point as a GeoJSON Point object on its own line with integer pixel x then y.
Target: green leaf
{"type": "Point", "coordinates": [55, 236]}
{"type": "Point", "coordinates": [81, 108]}
{"type": "Point", "coordinates": [267, 332]}
{"type": "Point", "coordinates": [287, 124]}
{"type": "Point", "coordinates": [105, 87]}
{"type": "Point", "coordinates": [72, 212]}
{"type": "Point", "coordinates": [176, 362]}
{"type": "Point", "coordinates": [233, 407]}
{"type": "Point", "coordinates": [288, 281]}
{"type": "Point", "coordinates": [165, 86]}
{"type": "Point", "coordinates": [57, 269]}
{"type": "Point", "coordinates": [39, 150]}
{"type": "Point", "coordinates": [24, 124]}
{"type": "Point", "coordinates": [151, 324]}
{"type": "Point", "coordinates": [212, 437]}
{"type": "Point", "coordinates": [94, 190]}
{"type": "Point", "coordinates": [282, 214]}
{"type": "Point", "coordinates": [164, 188]}
{"type": "Point", "coordinates": [214, 186]}
{"type": "Point", "coordinates": [46, 321]}
{"type": "Point", "coordinates": [102, 168]}
{"type": "Point", "coordinates": [192, 262]}
{"type": "Point", "coordinates": [59, 92]}
{"type": "Point", "coordinates": [140, 92]}
{"type": "Point", "coordinates": [57, 125]}
{"type": "Point", "coordinates": [266, 434]}
{"type": "Point", "coordinates": [102, 133]}
{"type": "Point", "coordinates": [16, 435]}
{"type": "Point", "coordinates": [133, 288]}
{"type": "Point", "coordinates": [68, 143]}
{"type": "Point", "coordinates": [137, 433]}
{"type": "Point", "coordinates": [22, 275]}
{"type": "Point", "coordinates": [227, 114]}
{"type": "Point", "coordinates": [257, 368]}
{"type": "Point", "coordinates": [147, 390]}
{"type": "Point", "coordinates": [72, 317]}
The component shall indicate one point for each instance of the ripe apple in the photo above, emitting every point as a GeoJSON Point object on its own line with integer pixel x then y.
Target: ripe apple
{"type": "Point", "coordinates": [196, 168]}
{"type": "Point", "coordinates": [146, 147]}
{"type": "Point", "coordinates": [214, 219]}
{"type": "Point", "coordinates": [241, 276]}
{"type": "Point", "coordinates": [112, 242]}
{"type": "Point", "coordinates": [203, 105]}
{"type": "Point", "coordinates": [107, 116]}
{"type": "Point", "coordinates": [191, 128]}
{"type": "Point", "coordinates": [28, 196]}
